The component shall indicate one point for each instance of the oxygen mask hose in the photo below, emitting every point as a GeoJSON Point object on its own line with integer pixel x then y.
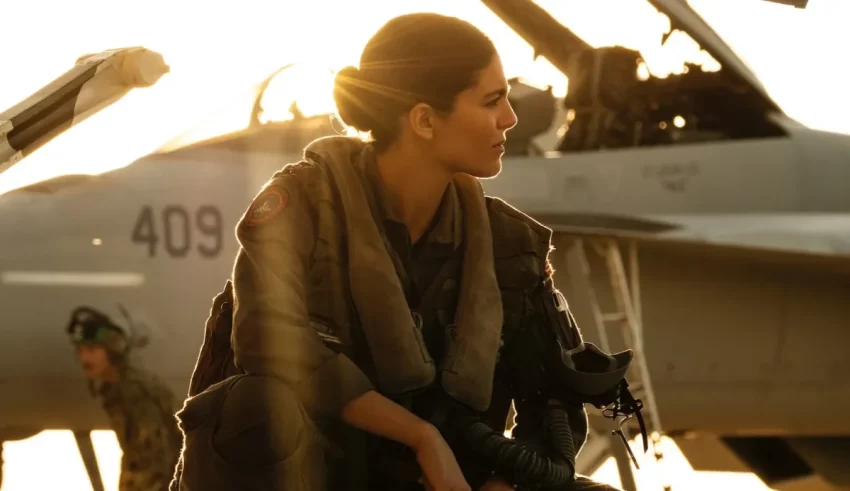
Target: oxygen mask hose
{"type": "Point", "coordinates": [528, 465]}
{"type": "Point", "coordinates": [522, 463]}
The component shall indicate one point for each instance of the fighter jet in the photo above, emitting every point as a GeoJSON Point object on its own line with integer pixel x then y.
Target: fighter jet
{"type": "Point", "coordinates": [732, 222]}
{"type": "Point", "coordinates": [695, 222]}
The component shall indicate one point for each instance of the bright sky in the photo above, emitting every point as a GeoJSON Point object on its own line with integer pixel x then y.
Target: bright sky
{"type": "Point", "coordinates": [217, 51]}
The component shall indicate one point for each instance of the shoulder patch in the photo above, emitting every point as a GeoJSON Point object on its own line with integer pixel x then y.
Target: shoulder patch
{"type": "Point", "coordinates": [266, 206]}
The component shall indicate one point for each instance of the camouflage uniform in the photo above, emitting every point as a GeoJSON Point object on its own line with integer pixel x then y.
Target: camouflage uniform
{"type": "Point", "coordinates": [139, 406]}
{"type": "Point", "coordinates": [141, 412]}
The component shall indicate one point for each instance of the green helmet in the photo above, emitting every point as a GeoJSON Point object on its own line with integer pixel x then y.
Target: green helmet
{"type": "Point", "coordinates": [88, 326]}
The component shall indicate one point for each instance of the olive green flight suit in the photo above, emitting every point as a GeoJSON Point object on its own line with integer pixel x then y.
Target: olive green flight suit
{"type": "Point", "coordinates": [296, 335]}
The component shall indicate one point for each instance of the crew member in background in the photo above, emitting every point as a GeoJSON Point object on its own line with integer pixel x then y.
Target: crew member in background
{"type": "Point", "coordinates": [139, 406]}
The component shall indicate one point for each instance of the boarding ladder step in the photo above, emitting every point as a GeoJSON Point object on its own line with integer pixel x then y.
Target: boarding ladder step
{"type": "Point", "coordinates": [627, 315]}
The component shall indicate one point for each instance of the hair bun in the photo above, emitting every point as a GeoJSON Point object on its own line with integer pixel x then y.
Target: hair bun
{"type": "Point", "coordinates": [352, 99]}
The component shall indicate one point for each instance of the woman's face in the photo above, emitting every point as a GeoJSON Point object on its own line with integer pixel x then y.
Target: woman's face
{"type": "Point", "coordinates": [471, 139]}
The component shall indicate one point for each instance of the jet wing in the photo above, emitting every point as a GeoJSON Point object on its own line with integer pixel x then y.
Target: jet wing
{"type": "Point", "coordinates": [681, 242]}
{"type": "Point", "coordinates": [93, 83]}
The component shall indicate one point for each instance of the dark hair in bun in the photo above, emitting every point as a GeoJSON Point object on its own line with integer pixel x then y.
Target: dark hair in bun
{"type": "Point", "coordinates": [413, 58]}
{"type": "Point", "coordinates": [349, 95]}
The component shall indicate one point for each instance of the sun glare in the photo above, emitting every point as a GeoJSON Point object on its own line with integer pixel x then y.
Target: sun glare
{"type": "Point", "coordinates": [199, 100]}
{"type": "Point", "coordinates": [307, 86]}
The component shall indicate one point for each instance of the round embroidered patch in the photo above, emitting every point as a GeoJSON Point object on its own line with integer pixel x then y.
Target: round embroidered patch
{"type": "Point", "coordinates": [266, 206]}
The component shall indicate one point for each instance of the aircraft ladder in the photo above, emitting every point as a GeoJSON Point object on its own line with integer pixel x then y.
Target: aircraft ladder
{"type": "Point", "coordinates": [628, 315]}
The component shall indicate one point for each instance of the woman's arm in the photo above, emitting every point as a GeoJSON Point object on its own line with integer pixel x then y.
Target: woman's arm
{"type": "Point", "coordinates": [272, 333]}
{"type": "Point", "coordinates": [271, 324]}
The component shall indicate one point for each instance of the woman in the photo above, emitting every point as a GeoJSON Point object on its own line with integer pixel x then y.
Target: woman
{"type": "Point", "coordinates": [385, 312]}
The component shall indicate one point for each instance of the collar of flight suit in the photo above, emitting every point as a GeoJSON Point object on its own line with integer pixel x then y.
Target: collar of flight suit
{"type": "Point", "coordinates": [401, 359]}
{"type": "Point", "coordinates": [449, 226]}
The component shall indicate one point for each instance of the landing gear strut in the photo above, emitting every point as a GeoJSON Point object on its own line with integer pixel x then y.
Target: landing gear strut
{"type": "Point", "coordinates": [86, 447]}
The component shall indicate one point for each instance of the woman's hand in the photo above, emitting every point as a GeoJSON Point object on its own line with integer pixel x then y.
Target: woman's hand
{"type": "Point", "coordinates": [440, 469]}
{"type": "Point", "coordinates": [380, 416]}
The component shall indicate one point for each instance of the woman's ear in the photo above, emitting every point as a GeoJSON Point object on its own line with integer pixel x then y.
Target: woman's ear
{"type": "Point", "coordinates": [421, 119]}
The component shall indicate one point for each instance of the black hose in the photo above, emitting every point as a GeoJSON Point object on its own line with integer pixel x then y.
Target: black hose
{"type": "Point", "coordinates": [558, 424]}
{"type": "Point", "coordinates": [524, 464]}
